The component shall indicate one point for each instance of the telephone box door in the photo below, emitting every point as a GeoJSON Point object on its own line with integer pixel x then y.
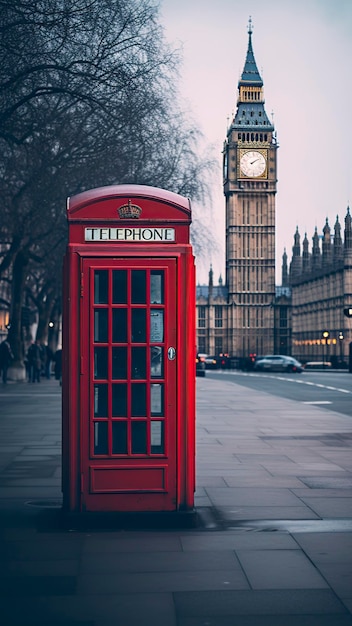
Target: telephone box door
{"type": "Point", "coordinates": [128, 384]}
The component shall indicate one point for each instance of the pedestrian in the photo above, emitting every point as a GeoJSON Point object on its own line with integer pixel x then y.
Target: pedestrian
{"type": "Point", "coordinates": [6, 356]}
{"type": "Point", "coordinates": [48, 361]}
{"type": "Point", "coordinates": [42, 358]}
{"type": "Point", "coordinates": [34, 362]}
{"type": "Point", "coordinates": [58, 365]}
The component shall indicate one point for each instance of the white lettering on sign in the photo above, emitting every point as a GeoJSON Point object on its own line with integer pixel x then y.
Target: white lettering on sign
{"type": "Point", "coordinates": [130, 234]}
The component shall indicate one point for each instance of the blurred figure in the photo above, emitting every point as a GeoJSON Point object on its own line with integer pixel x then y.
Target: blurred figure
{"type": "Point", "coordinates": [58, 365]}
{"type": "Point", "coordinates": [48, 361]}
{"type": "Point", "coordinates": [34, 362]}
{"type": "Point", "coordinates": [6, 356]}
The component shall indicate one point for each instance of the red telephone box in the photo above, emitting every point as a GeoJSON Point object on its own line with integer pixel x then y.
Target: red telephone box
{"type": "Point", "coordinates": [128, 352]}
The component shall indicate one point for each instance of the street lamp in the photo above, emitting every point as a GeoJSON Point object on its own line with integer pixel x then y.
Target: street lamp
{"type": "Point", "coordinates": [326, 335]}
{"type": "Point", "coordinates": [341, 352]}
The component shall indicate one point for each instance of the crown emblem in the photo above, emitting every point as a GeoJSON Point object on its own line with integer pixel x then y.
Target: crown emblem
{"type": "Point", "coordinates": [129, 211]}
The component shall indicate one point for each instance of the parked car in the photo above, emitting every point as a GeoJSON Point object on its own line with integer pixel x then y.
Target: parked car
{"type": "Point", "coordinates": [317, 365]}
{"type": "Point", "coordinates": [224, 361]}
{"type": "Point", "coordinates": [200, 365]}
{"type": "Point", "coordinates": [278, 363]}
{"type": "Point", "coordinates": [211, 363]}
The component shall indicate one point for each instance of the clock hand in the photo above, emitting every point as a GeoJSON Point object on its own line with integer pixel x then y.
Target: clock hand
{"type": "Point", "coordinates": [254, 161]}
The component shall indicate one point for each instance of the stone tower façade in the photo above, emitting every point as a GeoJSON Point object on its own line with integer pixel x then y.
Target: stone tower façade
{"type": "Point", "coordinates": [250, 179]}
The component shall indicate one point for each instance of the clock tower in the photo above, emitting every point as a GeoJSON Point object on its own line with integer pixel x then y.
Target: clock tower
{"type": "Point", "coordinates": [249, 171]}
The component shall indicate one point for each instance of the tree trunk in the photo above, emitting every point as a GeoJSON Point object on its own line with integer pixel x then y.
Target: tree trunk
{"type": "Point", "coordinates": [45, 309]}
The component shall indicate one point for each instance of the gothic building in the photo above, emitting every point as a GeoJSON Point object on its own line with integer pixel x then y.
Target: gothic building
{"type": "Point", "coordinates": [321, 290]}
{"type": "Point", "coordinates": [238, 317]}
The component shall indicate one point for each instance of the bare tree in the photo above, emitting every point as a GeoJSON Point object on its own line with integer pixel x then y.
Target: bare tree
{"type": "Point", "coordinates": [89, 51]}
{"type": "Point", "coordinates": [87, 98]}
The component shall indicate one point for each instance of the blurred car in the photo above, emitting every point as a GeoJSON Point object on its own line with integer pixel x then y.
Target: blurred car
{"type": "Point", "coordinates": [317, 365]}
{"type": "Point", "coordinates": [278, 363]}
{"type": "Point", "coordinates": [211, 363]}
{"type": "Point", "coordinates": [200, 365]}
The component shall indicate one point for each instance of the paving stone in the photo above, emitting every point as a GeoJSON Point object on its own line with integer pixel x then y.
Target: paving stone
{"type": "Point", "coordinates": [17, 585]}
{"type": "Point", "coordinates": [285, 569]}
{"type": "Point", "coordinates": [259, 602]}
{"type": "Point", "coordinates": [164, 581]}
{"type": "Point", "coordinates": [162, 562]}
{"type": "Point", "coordinates": [268, 620]}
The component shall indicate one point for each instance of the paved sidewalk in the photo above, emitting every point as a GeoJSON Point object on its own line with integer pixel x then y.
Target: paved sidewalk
{"type": "Point", "coordinates": [274, 546]}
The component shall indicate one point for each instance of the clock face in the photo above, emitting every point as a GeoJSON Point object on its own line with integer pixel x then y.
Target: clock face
{"type": "Point", "coordinates": [253, 164]}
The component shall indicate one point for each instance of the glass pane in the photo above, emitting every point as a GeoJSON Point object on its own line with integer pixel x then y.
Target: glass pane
{"type": "Point", "coordinates": [156, 325]}
{"type": "Point", "coordinates": [138, 363]}
{"type": "Point", "coordinates": [139, 291]}
{"type": "Point", "coordinates": [100, 363]}
{"type": "Point", "coordinates": [100, 400]}
{"type": "Point", "coordinates": [101, 325]}
{"type": "Point", "coordinates": [157, 437]}
{"type": "Point", "coordinates": [157, 399]}
{"type": "Point", "coordinates": [138, 400]}
{"type": "Point", "coordinates": [119, 400]}
{"type": "Point", "coordinates": [119, 287]}
{"type": "Point", "coordinates": [139, 437]}
{"type": "Point", "coordinates": [156, 287]}
{"type": "Point", "coordinates": [100, 437]}
{"type": "Point", "coordinates": [119, 325]}
{"type": "Point", "coordinates": [139, 325]}
{"type": "Point", "coordinates": [101, 287]}
{"type": "Point", "coordinates": [119, 437]}
{"type": "Point", "coordinates": [119, 363]}
{"type": "Point", "coordinates": [156, 362]}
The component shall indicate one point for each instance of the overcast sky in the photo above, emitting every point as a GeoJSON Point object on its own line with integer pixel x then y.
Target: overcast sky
{"type": "Point", "coordinates": [303, 51]}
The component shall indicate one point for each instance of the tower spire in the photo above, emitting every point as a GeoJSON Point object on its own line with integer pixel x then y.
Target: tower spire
{"type": "Point", "coordinates": [250, 74]}
{"type": "Point", "coordinates": [250, 112]}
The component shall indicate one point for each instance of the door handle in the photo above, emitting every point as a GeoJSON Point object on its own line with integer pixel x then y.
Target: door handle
{"type": "Point", "coordinates": [171, 353]}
